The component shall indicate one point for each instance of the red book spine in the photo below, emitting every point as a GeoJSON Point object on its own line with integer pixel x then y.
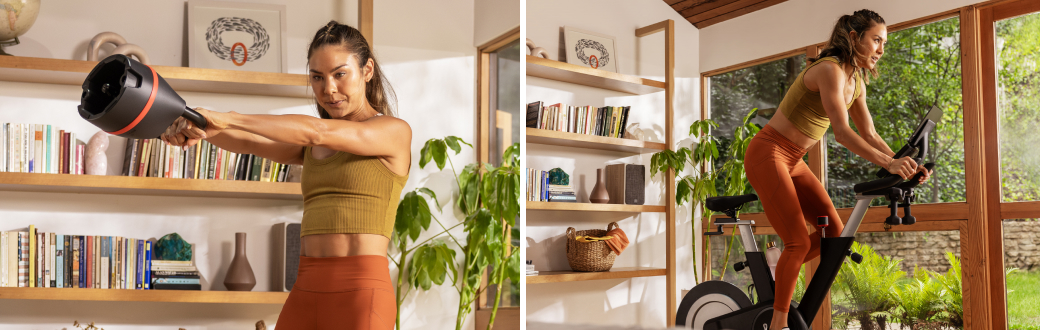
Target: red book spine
{"type": "Point", "coordinates": [220, 161]}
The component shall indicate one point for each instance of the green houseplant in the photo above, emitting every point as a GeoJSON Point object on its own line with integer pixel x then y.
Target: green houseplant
{"type": "Point", "coordinates": [869, 287]}
{"type": "Point", "coordinates": [489, 197]}
{"type": "Point", "coordinates": [726, 179]}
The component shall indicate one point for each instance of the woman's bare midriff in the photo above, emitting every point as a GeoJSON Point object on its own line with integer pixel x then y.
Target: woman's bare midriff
{"type": "Point", "coordinates": [343, 245]}
{"type": "Point", "coordinates": [783, 125]}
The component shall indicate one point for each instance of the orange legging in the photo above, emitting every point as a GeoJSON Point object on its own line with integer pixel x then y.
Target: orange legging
{"type": "Point", "coordinates": [791, 196]}
{"type": "Point", "coordinates": [352, 293]}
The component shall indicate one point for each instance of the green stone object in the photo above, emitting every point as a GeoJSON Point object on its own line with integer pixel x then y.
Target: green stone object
{"type": "Point", "coordinates": [172, 247]}
{"type": "Point", "coordinates": [558, 177]}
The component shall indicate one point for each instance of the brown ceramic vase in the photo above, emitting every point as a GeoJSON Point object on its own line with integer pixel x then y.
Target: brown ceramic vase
{"type": "Point", "coordinates": [240, 275]}
{"type": "Point", "coordinates": [599, 192]}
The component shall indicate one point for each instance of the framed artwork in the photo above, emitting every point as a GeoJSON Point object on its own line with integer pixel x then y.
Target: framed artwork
{"type": "Point", "coordinates": [236, 36]}
{"type": "Point", "coordinates": [589, 49]}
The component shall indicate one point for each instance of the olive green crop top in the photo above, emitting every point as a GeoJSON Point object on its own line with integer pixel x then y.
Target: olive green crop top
{"type": "Point", "coordinates": [349, 194]}
{"type": "Point", "coordinates": [804, 108]}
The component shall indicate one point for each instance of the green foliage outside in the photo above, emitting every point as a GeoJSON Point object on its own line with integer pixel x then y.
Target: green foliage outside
{"type": "Point", "coordinates": [921, 68]}
{"type": "Point", "coordinates": [489, 197]}
{"type": "Point", "coordinates": [1018, 79]}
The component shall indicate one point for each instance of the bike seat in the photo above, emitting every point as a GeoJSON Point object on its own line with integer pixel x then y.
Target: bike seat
{"type": "Point", "coordinates": [725, 203]}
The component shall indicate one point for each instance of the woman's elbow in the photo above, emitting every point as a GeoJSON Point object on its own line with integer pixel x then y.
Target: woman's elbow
{"type": "Point", "coordinates": [315, 136]}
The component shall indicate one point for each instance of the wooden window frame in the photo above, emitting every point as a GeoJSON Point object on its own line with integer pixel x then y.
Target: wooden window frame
{"type": "Point", "coordinates": [508, 318]}
{"type": "Point", "coordinates": [979, 218]}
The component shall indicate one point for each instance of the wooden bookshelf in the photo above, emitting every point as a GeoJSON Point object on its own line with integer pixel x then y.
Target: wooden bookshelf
{"type": "Point", "coordinates": [180, 296]}
{"type": "Point", "coordinates": [613, 273]}
{"type": "Point", "coordinates": [587, 141]}
{"type": "Point", "coordinates": [123, 185]}
{"type": "Point", "coordinates": [558, 206]}
{"type": "Point", "coordinates": [575, 74]}
{"type": "Point", "coordinates": [182, 79]}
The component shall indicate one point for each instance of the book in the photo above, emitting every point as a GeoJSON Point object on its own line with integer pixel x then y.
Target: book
{"type": "Point", "coordinates": [174, 280]}
{"type": "Point", "coordinates": [211, 165]}
{"type": "Point", "coordinates": [68, 261]}
{"type": "Point", "coordinates": [171, 263]}
{"type": "Point", "coordinates": [138, 264]}
{"type": "Point", "coordinates": [129, 154]}
{"type": "Point", "coordinates": [185, 273]}
{"type": "Point", "coordinates": [52, 266]}
{"type": "Point", "coordinates": [165, 286]}
{"type": "Point", "coordinates": [13, 250]}
{"type": "Point", "coordinates": [32, 256]}
{"type": "Point", "coordinates": [148, 264]}
{"type": "Point", "coordinates": [534, 114]}
{"type": "Point", "coordinates": [23, 259]}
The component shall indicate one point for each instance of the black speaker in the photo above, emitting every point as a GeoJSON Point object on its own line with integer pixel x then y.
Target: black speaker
{"type": "Point", "coordinates": [286, 255]}
{"type": "Point", "coordinates": [626, 184]}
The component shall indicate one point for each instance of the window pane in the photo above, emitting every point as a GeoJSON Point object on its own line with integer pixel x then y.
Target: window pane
{"type": "Point", "coordinates": [506, 131]}
{"type": "Point", "coordinates": [734, 94]}
{"type": "Point", "coordinates": [1021, 261]}
{"type": "Point", "coordinates": [505, 128]}
{"type": "Point", "coordinates": [921, 67]}
{"type": "Point", "coordinates": [906, 280]}
{"type": "Point", "coordinates": [1018, 106]}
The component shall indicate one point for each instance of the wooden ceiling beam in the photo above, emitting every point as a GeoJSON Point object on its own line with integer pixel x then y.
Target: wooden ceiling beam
{"type": "Point", "coordinates": [737, 13]}
{"type": "Point", "coordinates": [675, 2]}
{"type": "Point", "coordinates": [728, 8]}
{"type": "Point", "coordinates": [703, 6]}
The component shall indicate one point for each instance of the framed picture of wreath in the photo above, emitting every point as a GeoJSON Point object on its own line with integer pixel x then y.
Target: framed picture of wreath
{"type": "Point", "coordinates": [236, 36]}
{"type": "Point", "coordinates": [589, 49]}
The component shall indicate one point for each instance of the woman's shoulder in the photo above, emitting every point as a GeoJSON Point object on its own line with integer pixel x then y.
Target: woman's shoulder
{"type": "Point", "coordinates": [390, 122]}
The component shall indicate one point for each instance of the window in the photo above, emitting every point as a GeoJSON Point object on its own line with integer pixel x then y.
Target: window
{"type": "Point", "coordinates": [735, 93]}
{"type": "Point", "coordinates": [921, 67]}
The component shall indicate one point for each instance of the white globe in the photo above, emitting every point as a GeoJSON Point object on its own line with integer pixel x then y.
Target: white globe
{"type": "Point", "coordinates": [16, 17]}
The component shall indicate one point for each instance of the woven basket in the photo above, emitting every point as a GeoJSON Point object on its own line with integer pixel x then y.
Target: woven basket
{"type": "Point", "coordinates": [589, 257]}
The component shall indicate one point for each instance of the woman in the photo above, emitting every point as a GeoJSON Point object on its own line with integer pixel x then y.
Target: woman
{"type": "Point", "coordinates": [355, 160]}
{"type": "Point", "coordinates": [827, 92]}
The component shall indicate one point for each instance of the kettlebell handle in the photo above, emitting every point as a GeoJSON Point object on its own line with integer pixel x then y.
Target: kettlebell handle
{"type": "Point", "coordinates": [195, 118]}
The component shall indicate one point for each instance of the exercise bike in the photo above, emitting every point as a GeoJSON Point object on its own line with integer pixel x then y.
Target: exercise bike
{"type": "Point", "coordinates": [716, 305]}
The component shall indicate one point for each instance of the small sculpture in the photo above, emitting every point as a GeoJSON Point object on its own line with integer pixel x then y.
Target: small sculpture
{"type": "Point", "coordinates": [537, 51]}
{"type": "Point", "coordinates": [122, 47]}
{"type": "Point", "coordinates": [97, 162]}
{"type": "Point", "coordinates": [558, 177]}
{"type": "Point", "coordinates": [172, 247]}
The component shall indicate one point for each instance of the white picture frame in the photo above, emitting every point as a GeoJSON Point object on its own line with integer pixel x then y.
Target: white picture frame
{"type": "Point", "coordinates": [237, 36]}
{"type": "Point", "coordinates": [591, 50]}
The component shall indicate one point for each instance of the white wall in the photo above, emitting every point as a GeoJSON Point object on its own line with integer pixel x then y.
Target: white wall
{"type": "Point", "coordinates": [426, 50]}
{"type": "Point", "coordinates": [799, 23]}
{"type": "Point", "coordinates": [640, 301]}
{"type": "Point", "coordinates": [495, 17]}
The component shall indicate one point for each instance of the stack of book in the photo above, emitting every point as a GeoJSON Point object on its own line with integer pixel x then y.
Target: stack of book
{"type": "Point", "coordinates": [34, 259]}
{"type": "Point", "coordinates": [604, 121]}
{"type": "Point", "coordinates": [36, 148]}
{"type": "Point", "coordinates": [539, 189]}
{"type": "Point", "coordinates": [154, 158]}
{"type": "Point", "coordinates": [561, 193]}
{"type": "Point", "coordinates": [175, 275]}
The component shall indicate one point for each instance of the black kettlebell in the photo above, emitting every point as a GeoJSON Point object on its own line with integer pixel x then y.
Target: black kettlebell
{"type": "Point", "coordinates": [124, 97]}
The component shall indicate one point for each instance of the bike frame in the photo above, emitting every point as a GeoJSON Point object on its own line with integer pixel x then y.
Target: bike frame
{"type": "Point", "coordinates": [833, 251]}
